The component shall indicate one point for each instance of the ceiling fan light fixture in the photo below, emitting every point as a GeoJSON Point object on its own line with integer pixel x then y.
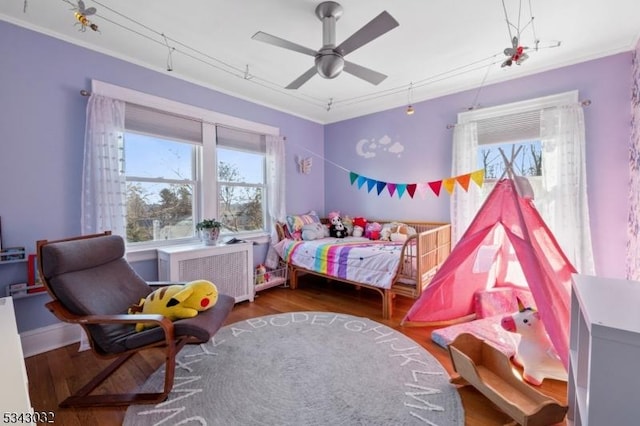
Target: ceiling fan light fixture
{"type": "Point", "coordinates": [329, 65]}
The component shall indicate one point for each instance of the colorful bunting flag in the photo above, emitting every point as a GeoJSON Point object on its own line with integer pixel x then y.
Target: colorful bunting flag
{"type": "Point", "coordinates": [463, 180]}
{"type": "Point", "coordinates": [449, 184]}
{"type": "Point", "coordinates": [435, 187]}
{"type": "Point", "coordinates": [411, 188]}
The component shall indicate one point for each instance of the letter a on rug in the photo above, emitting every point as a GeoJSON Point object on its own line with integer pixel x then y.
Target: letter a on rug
{"type": "Point", "coordinates": [305, 368]}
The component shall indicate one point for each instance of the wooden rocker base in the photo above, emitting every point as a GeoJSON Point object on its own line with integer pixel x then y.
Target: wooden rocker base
{"type": "Point", "coordinates": [489, 371]}
{"type": "Point", "coordinates": [83, 399]}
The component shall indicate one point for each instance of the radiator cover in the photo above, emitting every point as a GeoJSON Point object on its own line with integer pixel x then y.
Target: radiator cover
{"type": "Point", "coordinates": [229, 267]}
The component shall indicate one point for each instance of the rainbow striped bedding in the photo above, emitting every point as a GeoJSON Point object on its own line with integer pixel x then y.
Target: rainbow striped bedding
{"type": "Point", "coordinates": [354, 259]}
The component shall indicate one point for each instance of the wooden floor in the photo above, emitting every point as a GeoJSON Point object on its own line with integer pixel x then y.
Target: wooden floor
{"type": "Point", "coordinates": [52, 375]}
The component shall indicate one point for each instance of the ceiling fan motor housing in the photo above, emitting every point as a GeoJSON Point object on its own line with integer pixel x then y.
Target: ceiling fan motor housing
{"type": "Point", "coordinates": [329, 64]}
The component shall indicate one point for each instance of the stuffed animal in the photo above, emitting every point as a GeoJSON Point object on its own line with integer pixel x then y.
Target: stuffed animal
{"type": "Point", "coordinates": [348, 223]}
{"type": "Point", "coordinates": [360, 221]}
{"type": "Point", "coordinates": [177, 301]}
{"type": "Point", "coordinates": [372, 230]}
{"type": "Point", "coordinates": [337, 228]}
{"type": "Point", "coordinates": [357, 231]}
{"type": "Point", "coordinates": [313, 231]}
{"type": "Point", "coordinates": [535, 353]}
{"type": "Point", "coordinates": [261, 272]}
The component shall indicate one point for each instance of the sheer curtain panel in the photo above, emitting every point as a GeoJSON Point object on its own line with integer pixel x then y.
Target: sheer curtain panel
{"type": "Point", "coordinates": [563, 201]}
{"type": "Point", "coordinates": [103, 180]}
{"type": "Point", "coordinates": [276, 181]}
{"type": "Point", "coordinates": [464, 205]}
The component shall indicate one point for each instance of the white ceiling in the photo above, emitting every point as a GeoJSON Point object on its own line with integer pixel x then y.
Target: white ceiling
{"type": "Point", "coordinates": [440, 46]}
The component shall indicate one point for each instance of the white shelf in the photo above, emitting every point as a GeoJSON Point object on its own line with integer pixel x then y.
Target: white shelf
{"type": "Point", "coordinates": [604, 351]}
{"type": "Point", "coordinates": [14, 391]}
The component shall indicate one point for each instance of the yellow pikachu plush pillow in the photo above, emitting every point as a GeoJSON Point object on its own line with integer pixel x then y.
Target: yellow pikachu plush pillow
{"type": "Point", "coordinates": [177, 301]}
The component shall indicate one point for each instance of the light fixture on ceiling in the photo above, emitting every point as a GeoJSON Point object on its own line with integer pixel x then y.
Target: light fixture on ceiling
{"type": "Point", "coordinates": [410, 109]}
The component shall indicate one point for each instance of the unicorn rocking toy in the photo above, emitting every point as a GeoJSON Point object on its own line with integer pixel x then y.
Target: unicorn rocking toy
{"type": "Point", "coordinates": [535, 353]}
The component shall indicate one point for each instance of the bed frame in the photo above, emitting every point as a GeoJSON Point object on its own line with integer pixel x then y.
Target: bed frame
{"type": "Point", "coordinates": [427, 250]}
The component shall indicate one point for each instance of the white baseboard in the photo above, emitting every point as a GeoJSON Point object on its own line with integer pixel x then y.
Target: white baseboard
{"type": "Point", "coordinates": [48, 338]}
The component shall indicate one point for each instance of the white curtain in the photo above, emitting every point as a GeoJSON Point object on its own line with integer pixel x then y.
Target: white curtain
{"type": "Point", "coordinates": [464, 205]}
{"type": "Point", "coordinates": [563, 200]}
{"type": "Point", "coordinates": [103, 180]}
{"type": "Point", "coordinates": [275, 147]}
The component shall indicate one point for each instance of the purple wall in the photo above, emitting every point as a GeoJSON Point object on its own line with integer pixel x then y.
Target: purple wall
{"type": "Point", "coordinates": [42, 122]}
{"type": "Point", "coordinates": [427, 153]}
{"type": "Point", "coordinates": [41, 148]}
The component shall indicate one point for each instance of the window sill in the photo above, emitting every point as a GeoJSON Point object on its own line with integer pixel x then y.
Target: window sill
{"type": "Point", "coordinates": [139, 254]}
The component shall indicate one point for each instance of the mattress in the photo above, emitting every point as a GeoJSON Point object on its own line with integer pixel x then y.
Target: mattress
{"type": "Point", "coordinates": [355, 259]}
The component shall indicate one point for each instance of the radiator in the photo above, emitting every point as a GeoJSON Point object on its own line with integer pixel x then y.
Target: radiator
{"type": "Point", "coordinates": [229, 267]}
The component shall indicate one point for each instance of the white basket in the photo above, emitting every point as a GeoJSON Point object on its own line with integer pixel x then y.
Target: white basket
{"type": "Point", "coordinates": [271, 278]}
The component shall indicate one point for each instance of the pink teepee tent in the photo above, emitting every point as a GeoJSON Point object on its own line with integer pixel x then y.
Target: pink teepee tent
{"type": "Point", "coordinates": [507, 244]}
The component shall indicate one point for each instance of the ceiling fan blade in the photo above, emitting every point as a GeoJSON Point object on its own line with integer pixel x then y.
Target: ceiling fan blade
{"type": "Point", "coordinates": [280, 42]}
{"type": "Point", "coordinates": [374, 29]}
{"type": "Point", "coordinates": [295, 84]}
{"type": "Point", "coordinates": [364, 73]}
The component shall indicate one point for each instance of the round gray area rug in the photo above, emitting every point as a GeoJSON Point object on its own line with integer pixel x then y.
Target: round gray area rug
{"type": "Point", "coordinates": [305, 368]}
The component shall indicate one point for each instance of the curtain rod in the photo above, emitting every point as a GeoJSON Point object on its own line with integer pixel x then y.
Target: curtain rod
{"type": "Point", "coordinates": [584, 103]}
{"type": "Point", "coordinates": [88, 93]}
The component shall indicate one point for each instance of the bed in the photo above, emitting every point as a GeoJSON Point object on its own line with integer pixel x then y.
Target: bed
{"type": "Point", "coordinates": [402, 268]}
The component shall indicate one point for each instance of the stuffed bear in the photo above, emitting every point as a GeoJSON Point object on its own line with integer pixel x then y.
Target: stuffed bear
{"type": "Point", "coordinates": [337, 228]}
{"type": "Point", "coordinates": [177, 301]}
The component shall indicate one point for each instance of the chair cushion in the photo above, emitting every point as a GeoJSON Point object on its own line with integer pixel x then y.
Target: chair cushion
{"type": "Point", "coordinates": [202, 327]}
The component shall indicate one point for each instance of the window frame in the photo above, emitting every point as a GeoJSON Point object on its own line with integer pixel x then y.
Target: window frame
{"type": "Point", "coordinates": [206, 206]}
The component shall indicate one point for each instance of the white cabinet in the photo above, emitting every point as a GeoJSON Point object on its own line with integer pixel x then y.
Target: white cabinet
{"type": "Point", "coordinates": [14, 387]}
{"type": "Point", "coordinates": [604, 351]}
{"type": "Point", "coordinates": [229, 267]}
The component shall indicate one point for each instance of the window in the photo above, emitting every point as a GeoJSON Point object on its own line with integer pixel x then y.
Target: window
{"type": "Point", "coordinates": [161, 184]}
{"type": "Point", "coordinates": [241, 180]}
{"type": "Point", "coordinates": [525, 158]}
{"type": "Point", "coordinates": [551, 133]}
{"type": "Point", "coordinates": [177, 164]}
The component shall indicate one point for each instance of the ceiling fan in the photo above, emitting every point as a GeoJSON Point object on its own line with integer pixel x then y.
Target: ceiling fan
{"type": "Point", "coordinates": [329, 59]}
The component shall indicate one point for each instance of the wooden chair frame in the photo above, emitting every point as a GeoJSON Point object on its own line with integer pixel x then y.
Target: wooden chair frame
{"type": "Point", "coordinates": [83, 397]}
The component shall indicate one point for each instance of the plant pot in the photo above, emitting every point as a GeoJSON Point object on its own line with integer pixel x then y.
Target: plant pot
{"type": "Point", "coordinates": [210, 236]}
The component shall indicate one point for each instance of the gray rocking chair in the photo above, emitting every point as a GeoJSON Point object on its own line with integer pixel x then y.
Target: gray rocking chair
{"type": "Point", "coordinates": [93, 285]}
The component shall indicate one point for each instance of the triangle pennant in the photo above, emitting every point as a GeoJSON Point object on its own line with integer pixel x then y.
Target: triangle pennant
{"type": "Point", "coordinates": [463, 180]}
{"type": "Point", "coordinates": [361, 181]}
{"type": "Point", "coordinates": [380, 186]}
{"type": "Point", "coordinates": [435, 187]}
{"type": "Point", "coordinates": [401, 187]}
{"type": "Point", "coordinates": [449, 184]}
{"type": "Point", "coordinates": [353, 176]}
{"type": "Point", "coordinates": [478, 177]}
{"type": "Point", "coordinates": [422, 189]}
{"type": "Point", "coordinates": [411, 189]}
{"type": "Point", "coordinates": [371, 183]}
{"type": "Point", "coordinates": [391, 187]}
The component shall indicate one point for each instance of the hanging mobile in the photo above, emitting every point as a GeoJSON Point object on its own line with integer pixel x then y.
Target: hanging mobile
{"type": "Point", "coordinates": [81, 14]}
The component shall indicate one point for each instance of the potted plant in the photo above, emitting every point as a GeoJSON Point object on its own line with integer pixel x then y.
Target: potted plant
{"type": "Point", "coordinates": [209, 231]}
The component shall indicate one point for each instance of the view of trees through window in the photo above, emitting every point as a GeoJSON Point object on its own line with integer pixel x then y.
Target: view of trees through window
{"type": "Point", "coordinates": [528, 161]}
{"type": "Point", "coordinates": [162, 182]}
{"type": "Point", "coordinates": [241, 186]}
